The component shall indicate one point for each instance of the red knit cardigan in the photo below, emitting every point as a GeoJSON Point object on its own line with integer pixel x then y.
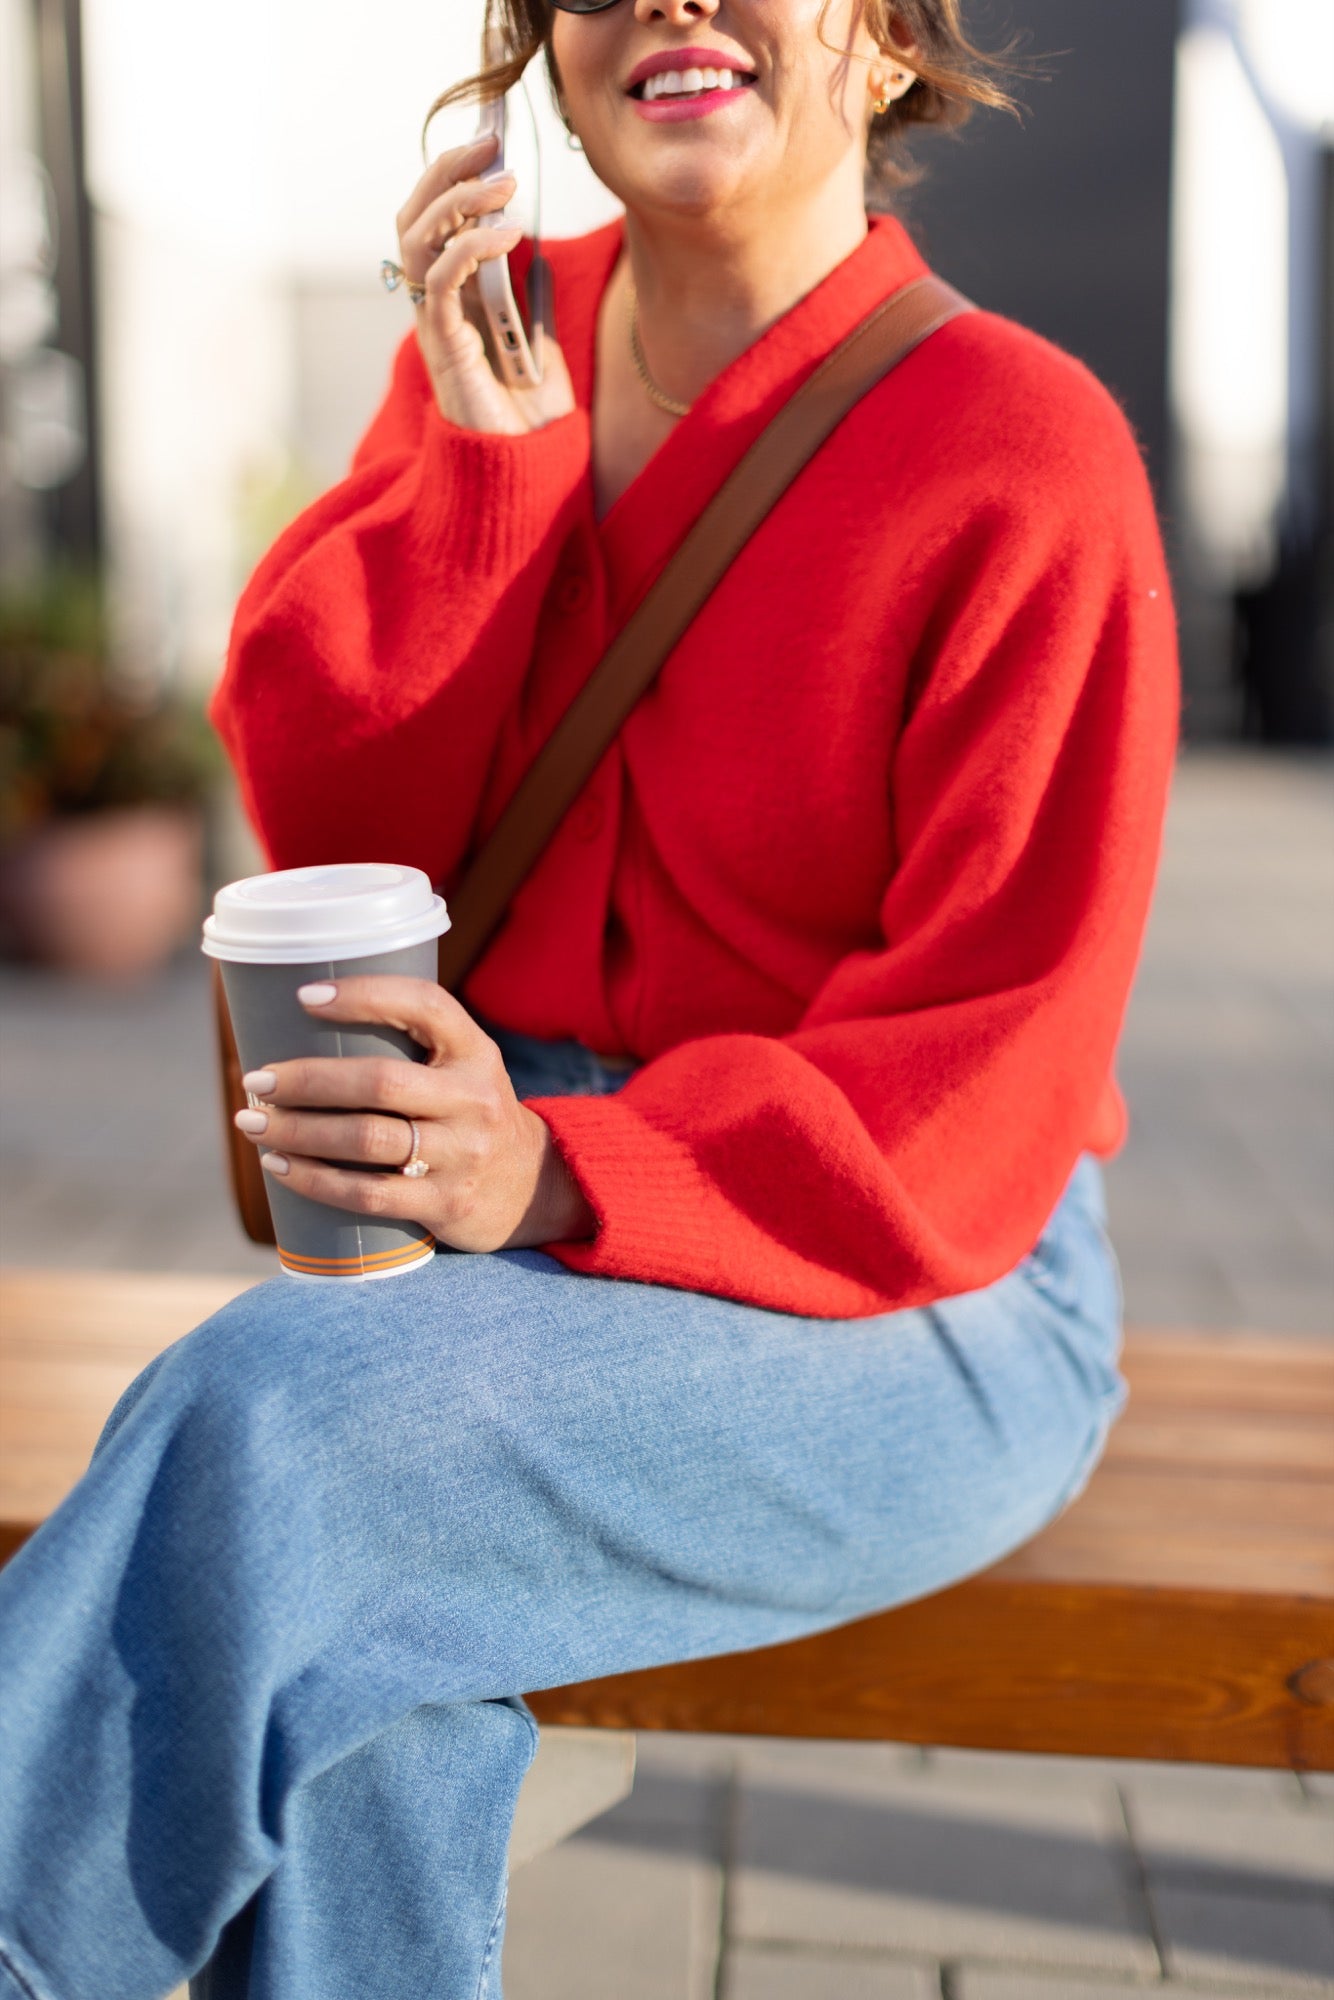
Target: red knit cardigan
{"type": "Point", "coordinates": [864, 879]}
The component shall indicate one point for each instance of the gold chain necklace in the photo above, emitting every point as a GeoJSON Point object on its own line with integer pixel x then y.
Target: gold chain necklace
{"type": "Point", "coordinates": [655, 394]}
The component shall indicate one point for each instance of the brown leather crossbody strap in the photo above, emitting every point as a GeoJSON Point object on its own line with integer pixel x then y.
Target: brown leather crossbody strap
{"type": "Point", "coordinates": [589, 725]}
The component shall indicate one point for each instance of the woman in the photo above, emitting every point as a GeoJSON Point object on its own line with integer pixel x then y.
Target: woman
{"type": "Point", "coordinates": [774, 1108]}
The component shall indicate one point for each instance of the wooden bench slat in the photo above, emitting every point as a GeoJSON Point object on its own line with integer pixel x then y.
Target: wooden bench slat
{"type": "Point", "coordinates": [141, 1305]}
{"type": "Point", "coordinates": [1100, 1558]}
{"type": "Point", "coordinates": [1135, 1509]}
{"type": "Point", "coordinates": [58, 1382]}
{"type": "Point", "coordinates": [990, 1665]}
{"type": "Point", "coordinates": [1174, 1611]}
{"type": "Point", "coordinates": [1225, 1370]}
{"type": "Point", "coordinates": [1308, 1398]}
{"type": "Point", "coordinates": [1263, 1450]}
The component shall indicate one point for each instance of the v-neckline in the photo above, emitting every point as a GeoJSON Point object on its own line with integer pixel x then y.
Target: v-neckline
{"type": "Point", "coordinates": [648, 517]}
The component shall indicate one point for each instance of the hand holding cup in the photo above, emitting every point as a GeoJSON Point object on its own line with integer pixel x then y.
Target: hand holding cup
{"type": "Point", "coordinates": [494, 1181]}
{"type": "Point", "coordinates": [358, 1064]}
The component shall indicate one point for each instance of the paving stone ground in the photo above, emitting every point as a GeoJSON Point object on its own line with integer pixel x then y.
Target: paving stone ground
{"type": "Point", "coordinates": [1221, 1200]}
{"type": "Point", "coordinates": [854, 1872]}
{"type": "Point", "coordinates": [753, 1870]}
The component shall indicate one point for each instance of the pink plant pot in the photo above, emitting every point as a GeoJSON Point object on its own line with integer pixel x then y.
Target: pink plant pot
{"type": "Point", "coordinates": [109, 895]}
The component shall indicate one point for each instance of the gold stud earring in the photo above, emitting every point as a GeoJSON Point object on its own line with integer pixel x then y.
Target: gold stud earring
{"type": "Point", "coordinates": [885, 96]}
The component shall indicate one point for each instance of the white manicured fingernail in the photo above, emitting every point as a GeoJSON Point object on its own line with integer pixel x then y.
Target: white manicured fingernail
{"type": "Point", "coordinates": [259, 1082]}
{"type": "Point", "coordinates": [274, 1163]}
{"type": "Point", "coordinates": [318, 995]}
{"type": "Point", "coordinates": [252, 1121]}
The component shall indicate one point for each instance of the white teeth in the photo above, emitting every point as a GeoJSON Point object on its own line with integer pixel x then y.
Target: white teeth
{"type": "Point", "coordinates": [677, 82]}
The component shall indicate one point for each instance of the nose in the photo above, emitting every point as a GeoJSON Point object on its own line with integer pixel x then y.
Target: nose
{"type": "Point", "coordinates": [676, 13]}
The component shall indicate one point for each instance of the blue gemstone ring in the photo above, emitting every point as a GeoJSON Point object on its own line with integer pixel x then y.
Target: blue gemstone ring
{"type": "Point", "coordinates": [393, 275]}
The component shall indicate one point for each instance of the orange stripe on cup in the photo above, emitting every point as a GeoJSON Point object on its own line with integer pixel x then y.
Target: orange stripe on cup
{"type": "Point", "coordinates": [371, 1260]}
{"type": "Point", "coordinates": [357, 1267]}
{"type": "Point", "coordinates": [360, 1260]}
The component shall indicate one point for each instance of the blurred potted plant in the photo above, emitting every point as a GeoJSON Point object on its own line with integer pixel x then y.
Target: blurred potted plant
{"type": "Point", "coordinates": [101, 793]}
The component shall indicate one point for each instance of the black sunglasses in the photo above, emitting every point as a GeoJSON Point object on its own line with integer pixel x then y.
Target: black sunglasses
{"type": "Point", "coordinates": [583, 6]}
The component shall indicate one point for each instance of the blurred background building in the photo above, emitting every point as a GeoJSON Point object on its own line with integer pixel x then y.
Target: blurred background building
{"type": "Point", "coordinates": [1165, 212]}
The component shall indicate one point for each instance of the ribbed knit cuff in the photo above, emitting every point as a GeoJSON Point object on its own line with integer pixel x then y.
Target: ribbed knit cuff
{"type": "Point", "coordinates": [493, 498]}
{"type": "Point", "coordinates": [646, 1189]}
{"type": "Point", "coordinates": [664, 1221]}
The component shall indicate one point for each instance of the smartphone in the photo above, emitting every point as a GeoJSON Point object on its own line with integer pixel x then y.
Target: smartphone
{"type": "Point", "coordinates": [516, 352]}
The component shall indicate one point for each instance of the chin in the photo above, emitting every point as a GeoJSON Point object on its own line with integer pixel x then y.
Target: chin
{"type": "Point", "coordinates": [677, 187]}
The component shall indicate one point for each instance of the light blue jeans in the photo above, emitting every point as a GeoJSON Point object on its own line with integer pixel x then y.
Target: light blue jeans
{"type": "Point", "coordinates": [261, 1675]}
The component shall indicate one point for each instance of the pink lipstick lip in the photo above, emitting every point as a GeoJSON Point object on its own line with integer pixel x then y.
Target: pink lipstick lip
{"type": "Point", "coordinates": [670, 110]}
{"type": "Point", "coordinates": [685, 59]}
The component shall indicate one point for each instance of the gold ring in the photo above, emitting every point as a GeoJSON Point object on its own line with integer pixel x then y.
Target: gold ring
{"type": "Point", "coordinates": [393, 275]}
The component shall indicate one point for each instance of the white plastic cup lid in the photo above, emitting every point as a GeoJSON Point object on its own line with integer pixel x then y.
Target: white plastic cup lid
{"type": "Point", "coordinates": [347, 909]}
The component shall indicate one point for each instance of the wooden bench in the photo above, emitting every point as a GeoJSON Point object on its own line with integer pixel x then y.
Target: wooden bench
{"type": "Point", "coordinates": [1183, 1608]}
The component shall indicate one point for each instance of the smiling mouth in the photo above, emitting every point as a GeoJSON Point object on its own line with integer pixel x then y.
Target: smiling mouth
{"type": "Point", "coordinates": [689, 83]}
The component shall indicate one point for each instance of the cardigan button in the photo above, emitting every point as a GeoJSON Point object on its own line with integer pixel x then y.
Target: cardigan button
{"type": "Point", "coordinates": [587, 818]}
{"type": "Point", "coordinates": [573, 593]}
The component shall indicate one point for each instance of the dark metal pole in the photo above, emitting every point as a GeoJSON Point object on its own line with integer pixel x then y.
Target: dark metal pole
{"type": "Point", "coordinates": [74, 515]}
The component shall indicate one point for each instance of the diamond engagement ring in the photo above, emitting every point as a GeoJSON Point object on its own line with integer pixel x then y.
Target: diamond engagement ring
{"type": "Point", "coordinates": [415, 1166]}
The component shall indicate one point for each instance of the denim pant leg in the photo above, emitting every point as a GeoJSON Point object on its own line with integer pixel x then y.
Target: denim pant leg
{"type": "Point", "coordinates": [261, 1671]}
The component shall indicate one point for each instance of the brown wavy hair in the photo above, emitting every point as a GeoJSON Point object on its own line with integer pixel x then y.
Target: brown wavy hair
{"type": "Point", "coordinates": [954, 74]}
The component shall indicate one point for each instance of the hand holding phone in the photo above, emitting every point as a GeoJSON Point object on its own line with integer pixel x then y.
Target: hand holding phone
{"type": "Point", "coordinates": [447, 239]}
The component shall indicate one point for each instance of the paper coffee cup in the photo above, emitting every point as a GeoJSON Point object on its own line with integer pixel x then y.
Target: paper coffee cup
{"type": "Point", "coordinates": [273, 933]}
